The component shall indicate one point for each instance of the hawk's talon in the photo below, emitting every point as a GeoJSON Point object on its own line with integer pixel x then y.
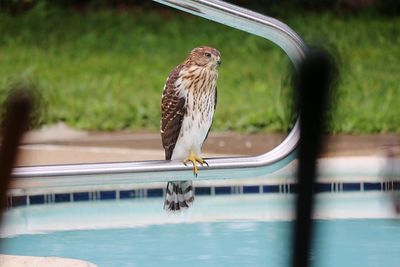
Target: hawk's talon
{"type": "Point", "coordinates": [194, 159]}
{"type": "Point", "coordinates": [195, 169]}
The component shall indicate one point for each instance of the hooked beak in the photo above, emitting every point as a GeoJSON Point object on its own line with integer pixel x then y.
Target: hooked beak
{"type": "Point", "coordinates": [219, 62]}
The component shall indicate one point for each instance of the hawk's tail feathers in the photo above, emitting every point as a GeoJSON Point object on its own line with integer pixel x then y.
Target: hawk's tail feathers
{"type": "Point", "coordinates": [178, 196]}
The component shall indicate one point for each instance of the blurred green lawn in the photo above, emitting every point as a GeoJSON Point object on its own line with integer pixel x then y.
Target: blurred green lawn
{"type": "Point", "coordinates": [105, 70]}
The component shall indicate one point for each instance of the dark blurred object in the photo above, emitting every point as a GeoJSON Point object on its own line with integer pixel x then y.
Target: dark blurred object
{"type": "Point", "coordinates": [392, 175]}
{"type": "Point", "coordinates": [387, 7]}
{"type": "Point", "coordinates": [16, 122]}
{"type": "Point", "coordinates": [29, 88]}
{"type": "Point", "coordinates": [313, 84]}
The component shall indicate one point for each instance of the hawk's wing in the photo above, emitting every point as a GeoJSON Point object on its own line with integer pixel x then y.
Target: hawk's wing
{"type": "Point", "coordinates": [173, 108]}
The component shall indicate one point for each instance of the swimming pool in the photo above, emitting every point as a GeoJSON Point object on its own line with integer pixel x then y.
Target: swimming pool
{"type": "Point", "coordinates": [353, 229]}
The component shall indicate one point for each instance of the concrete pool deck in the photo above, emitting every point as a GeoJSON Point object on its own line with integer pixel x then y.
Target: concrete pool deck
{"type": "Point", "coordinates": [59, 144]}
{"type": "Point", "coordinates": [24, 261]}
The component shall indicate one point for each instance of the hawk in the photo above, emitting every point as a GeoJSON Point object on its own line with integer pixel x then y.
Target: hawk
{"type": "Point", "coordinates": [187, 108]}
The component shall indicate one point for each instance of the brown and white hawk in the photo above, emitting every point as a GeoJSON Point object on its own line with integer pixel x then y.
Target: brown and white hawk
{"type": "Point", "coordinates": [188, 104]}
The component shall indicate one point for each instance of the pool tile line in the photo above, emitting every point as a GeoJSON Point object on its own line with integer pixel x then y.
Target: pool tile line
{"type": "Point", "coordinates": [144, 193]}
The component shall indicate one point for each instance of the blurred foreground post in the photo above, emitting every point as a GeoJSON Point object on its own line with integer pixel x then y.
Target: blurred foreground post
{"type": "Point", "coordinates": [16, 121]}
{"type": "Point", "coordinates": [314, 79]}
{"type": "Point", "coordinates": [391, 176]}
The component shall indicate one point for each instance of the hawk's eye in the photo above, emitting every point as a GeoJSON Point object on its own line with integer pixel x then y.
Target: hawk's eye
{"type": "Point", "coordinates": [207, 54]}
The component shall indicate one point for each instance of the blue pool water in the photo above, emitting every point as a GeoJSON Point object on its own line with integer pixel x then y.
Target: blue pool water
{"type": "Point", "coordinates": [353, 229]}
{"type": "Point", "coordinates": [352, 243]}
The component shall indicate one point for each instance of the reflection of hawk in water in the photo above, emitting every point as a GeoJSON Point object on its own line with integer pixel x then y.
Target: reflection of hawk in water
{"type": "Point", "coordinates": [188, 104]}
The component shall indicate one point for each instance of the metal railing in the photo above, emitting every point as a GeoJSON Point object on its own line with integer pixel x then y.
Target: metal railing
{"type": "Point", "coordinates": [219, 168]}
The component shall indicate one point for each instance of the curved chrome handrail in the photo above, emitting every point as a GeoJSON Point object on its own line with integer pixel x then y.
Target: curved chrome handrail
{"type": "Point", "coordinates": [151, 171]}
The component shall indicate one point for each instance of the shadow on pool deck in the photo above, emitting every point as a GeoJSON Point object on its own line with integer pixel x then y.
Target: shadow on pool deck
{"type": "Point", "coordinates": [62, 145]}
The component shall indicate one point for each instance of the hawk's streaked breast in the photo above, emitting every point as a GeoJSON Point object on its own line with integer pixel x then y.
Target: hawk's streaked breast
{"type": "Point", "coordinates": [200, 105]}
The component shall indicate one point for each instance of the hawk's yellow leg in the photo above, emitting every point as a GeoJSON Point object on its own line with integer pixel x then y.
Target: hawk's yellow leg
{"type": "Point", "coordinates": [194, 159]}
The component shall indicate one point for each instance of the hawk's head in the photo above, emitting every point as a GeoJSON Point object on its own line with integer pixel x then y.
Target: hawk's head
{"type": "Point", "coordinates": [205, 56]}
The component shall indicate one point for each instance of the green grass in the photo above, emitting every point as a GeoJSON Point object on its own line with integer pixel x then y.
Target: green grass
{"type": "Point", "coordinates": [105, 70]}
